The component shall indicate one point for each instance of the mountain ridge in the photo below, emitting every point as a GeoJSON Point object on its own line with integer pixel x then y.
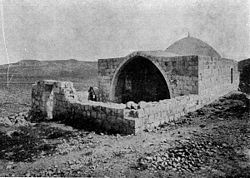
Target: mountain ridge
{"type": "Point", "coordinates": [33, 70]}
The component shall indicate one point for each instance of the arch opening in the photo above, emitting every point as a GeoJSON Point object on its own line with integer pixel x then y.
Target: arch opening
{"type": "Point", "coordinates": [140, 80]}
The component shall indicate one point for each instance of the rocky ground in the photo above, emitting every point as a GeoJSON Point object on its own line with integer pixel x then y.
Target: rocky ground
{"type": "Point", "coordinates": [211, 142]}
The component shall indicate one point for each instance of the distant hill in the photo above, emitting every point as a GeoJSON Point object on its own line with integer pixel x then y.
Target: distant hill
{"type": "Point", "coordinates": [32, 70]}
{"type": "Point", "coordinates": [243, 63]}
{"type": "Point", "coordinates": [244, 68]}
{"type": "Point", "coordinates": [29, 62]}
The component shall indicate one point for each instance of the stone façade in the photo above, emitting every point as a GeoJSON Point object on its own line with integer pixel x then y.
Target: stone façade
{"type": "Point", "coordinates": [208, 77]}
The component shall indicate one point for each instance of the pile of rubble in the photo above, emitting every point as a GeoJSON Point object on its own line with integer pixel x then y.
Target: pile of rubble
{"type": "Point", "coordinates": [19, 119]}
{"type": "Point", "coordinates": [187, 157]}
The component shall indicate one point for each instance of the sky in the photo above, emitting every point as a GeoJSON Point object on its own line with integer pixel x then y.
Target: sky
{"type": "Point", "coordinates": [88, 30]}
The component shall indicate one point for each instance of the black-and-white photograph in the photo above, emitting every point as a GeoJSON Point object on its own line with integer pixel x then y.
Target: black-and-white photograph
{"type": "Point", "coordinates": [130, 89]}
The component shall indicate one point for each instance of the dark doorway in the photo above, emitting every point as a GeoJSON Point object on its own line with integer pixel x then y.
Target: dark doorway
{"type": "Point", "coordinates": [140, 80]}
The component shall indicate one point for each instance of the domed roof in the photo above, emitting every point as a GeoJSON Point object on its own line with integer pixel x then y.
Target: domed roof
{"type": "Point", "coordinates": [192, 46]}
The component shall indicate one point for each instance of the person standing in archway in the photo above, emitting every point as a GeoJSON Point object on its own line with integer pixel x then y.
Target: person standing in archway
{"type": "Point", "coordinates": [92, 95]}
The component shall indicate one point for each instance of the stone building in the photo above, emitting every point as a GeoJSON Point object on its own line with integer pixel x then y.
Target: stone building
{"type": "Point", "coordinates": [189, 66]}
{"type": "Point", "coordinates": [165, 85]}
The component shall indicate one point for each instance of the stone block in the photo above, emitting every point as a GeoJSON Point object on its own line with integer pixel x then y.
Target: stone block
{"type": "Point", "coordinates": [88, 114]}
{"type": "Point", "coordinates": [141, 113]}
{"type": "Point", "coordinates": [93, 114]}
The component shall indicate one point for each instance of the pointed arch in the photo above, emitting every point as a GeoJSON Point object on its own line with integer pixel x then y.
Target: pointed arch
{"type": "Point", "coordinates": [138, 78]}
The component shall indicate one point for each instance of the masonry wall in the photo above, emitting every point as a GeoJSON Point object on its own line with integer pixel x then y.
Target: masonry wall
{"type": "Point", "coordinates": [106, 70]}
{"type": "Point", "coordinates": [46, 95]}
{"type": "Point", "coordinates": [152, 114]}
{"type": "Point", "coordinates": [217, 77]}
{"type": "Point", "coordinates": [181, 72]}
{"type": "Point", "coordinates": [58, 101]}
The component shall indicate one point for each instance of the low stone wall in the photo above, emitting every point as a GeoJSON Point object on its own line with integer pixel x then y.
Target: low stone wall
{"type": "Point", "coordinates": [95, 116]}
{"type": "Point", "coordinates": [149, 115]}
{"type": "Point", "coordinates": [58, 100]}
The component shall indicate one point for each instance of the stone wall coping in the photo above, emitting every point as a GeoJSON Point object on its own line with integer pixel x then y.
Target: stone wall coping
{"type": "Point", "coordinates": [102, 104]}
{"type": "Point", "coordinates": [144, 104]}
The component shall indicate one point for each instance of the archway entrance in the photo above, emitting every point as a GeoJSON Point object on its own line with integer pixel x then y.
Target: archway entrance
{"type": "Point", "coordinates": [140, 80]}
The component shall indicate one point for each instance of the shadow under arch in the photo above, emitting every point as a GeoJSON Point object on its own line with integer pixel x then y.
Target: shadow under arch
{"type": "Point", "coordinates": [139, 79]}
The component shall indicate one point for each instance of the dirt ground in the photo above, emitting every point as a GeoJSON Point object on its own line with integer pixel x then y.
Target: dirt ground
{"type": "Point", "coordinates": [211, 142]}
